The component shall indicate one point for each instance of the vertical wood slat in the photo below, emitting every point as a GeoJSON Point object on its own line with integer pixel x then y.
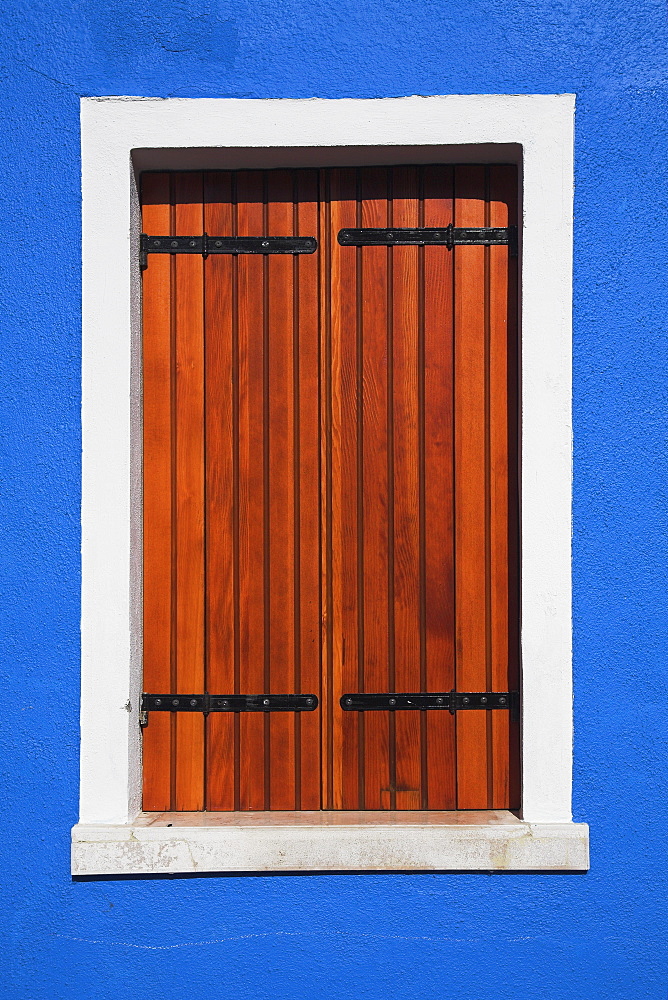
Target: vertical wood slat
{"type": "Point", "coordinates": [251, 491]}
{"type": "Point", "coordinates": [189, 501]}
{"type": "Point", "coordinates": [307, 494]}
{"type": "Point", "coordinates": [344, 745]}
{"type": "Point", "coordinates": [471, 488]}
{"type": "Point", "coordinates": [405, 488]}
{"type": "Point", "coordinates": [326, 405]}
{"type": "Point", "coordinates": [375, 599]}
{"type": "Point", "coordinates": [439, 487]}
{"type": "Point", "coordinates": [219, 516]}
{"type": "Point", "coordinates": [157, 490]}
{"type": "Point", "coordinates": [279, 431]}
{"type": "Point", "coordinates": [508, 177]}
{"type": "Point", "coordinates": [503, 486]}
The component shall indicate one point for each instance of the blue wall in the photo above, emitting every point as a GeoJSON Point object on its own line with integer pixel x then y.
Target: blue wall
{"type": "Point", "coordinates": [478, 936]}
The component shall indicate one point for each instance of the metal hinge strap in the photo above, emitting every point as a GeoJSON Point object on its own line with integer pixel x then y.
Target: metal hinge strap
{"type": "Point", "coordinates": [207, 245]}
{"type": "Point", "coordinates": [450, 701]}
{"type": "Point", "coordinates": [207, 703]}
{"type": "Point", "coordinates": [448, 236]}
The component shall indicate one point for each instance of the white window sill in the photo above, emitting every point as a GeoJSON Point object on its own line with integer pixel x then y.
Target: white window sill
{"type": "Point", "coordinates": [162, 843]}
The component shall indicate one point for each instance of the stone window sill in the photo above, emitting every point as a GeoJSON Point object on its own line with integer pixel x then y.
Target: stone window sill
{"type": "Point", "coordinates": [164, 843]}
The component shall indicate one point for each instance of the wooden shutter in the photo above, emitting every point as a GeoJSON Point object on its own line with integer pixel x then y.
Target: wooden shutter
{"type": "Point", "coordinates": [330, 490]}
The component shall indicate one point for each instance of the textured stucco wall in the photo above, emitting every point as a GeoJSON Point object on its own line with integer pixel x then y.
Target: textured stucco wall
{"type": "Point", "coordinates": [598, 935]}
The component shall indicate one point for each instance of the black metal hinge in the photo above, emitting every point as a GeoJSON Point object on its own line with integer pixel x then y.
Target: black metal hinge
{"type": "Point", "coordinates": [207, 703]}
{"type": "Point", "coordinates": [206, 245]}
{"type": "Point", "coordinates": [448, 236]}
{"type": "Point", "coordinates": [450, 701]}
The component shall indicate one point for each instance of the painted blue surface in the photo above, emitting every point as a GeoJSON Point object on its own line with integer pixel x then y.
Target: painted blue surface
{"type": "Point", "coordinates": [477, 936]}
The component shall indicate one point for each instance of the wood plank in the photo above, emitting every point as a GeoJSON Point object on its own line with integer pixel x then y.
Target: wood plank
{"type": "Point", "coordinates": [375, 598]}
{"type": "Point", "coordinates": [250, 222]}
{"type": "Point", "coordinates": [471, 488]}
{"type": "Point", "coordinates": [157, 491]}
{"type": "Point", "coordinates": [327, 706]}
{"type": "Point", "coordinates": [439, 487]}
{"type": "Point", "coordinates": [503, 480]}
{"type": "Point", "coordinates": [514, 444]}
{"type": "Point", "coordinates": [281, 432]}
{"type": "Point", "coordinates": [189, 493]}
{"type": "Point", "coordinates": [219, 436]}
{"type": "Point", "coordinates": [406, 489]}
{"type": "Point", "coordinates": [345, 747]}
{"type": "Point", "coordinates": [307, 496]}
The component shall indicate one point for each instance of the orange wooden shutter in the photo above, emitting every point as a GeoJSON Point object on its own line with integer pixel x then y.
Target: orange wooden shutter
{"type": "Point", "coordinates": [330, 490]}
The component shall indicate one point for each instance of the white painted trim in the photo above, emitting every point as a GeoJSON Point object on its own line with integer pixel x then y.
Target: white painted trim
{"type": "Point", "coordinates": [356, 842]}
{"type": "Point", "coordinates": [256, 133]}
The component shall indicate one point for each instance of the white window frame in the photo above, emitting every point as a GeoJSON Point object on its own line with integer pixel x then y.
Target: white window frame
{"type": "Point", "coordinates": [121, 136]}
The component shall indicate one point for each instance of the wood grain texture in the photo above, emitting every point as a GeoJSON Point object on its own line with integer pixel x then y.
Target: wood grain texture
{"type": "Point", "coordinates": [307, 494]}
{"type": "Point", "coordinates": [439, 487]}
{"type": "Point", "coordinates": [345, 406]}
{"type": "Point", "coordinates": [280, 431]}
{"type": "Point", "coordinates": [189, 486]}
{"type": "Point", "coordinates": [471, 488]}
{"type": "Point", "coordinates": [405, 488]}
{"type": "Point", "coordinates": [503, 485]}
{"type": "Point", "coordinates": [252, 568]}
{"type": "Point", "coordinates": [327, 705]}
{"type": "Point", "coordinates": [220, 427]}
{"type": "Point", "coordinates": [157, 489]}
{"type": "Point", "coordinates": [375, 600]}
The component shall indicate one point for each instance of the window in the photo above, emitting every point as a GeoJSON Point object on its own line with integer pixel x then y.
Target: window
{"type": "Point", "coordinates": [112, 836]}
